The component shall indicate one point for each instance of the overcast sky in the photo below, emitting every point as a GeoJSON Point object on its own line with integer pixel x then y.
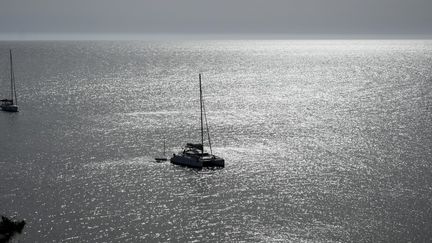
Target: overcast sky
{"type": "Point", "coordinates": [256, 17]}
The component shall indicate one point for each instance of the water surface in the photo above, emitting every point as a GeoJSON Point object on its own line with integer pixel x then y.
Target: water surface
{"type": "Point", "coordinates": [324, 141]}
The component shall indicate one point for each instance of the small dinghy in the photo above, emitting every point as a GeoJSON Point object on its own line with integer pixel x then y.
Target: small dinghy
{"type": "Point", "coordinates": [162, 158]}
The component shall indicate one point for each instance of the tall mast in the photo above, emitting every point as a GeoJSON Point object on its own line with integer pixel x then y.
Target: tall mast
{"type": "Point", "coordinates": [11, 75]}
{"type": "Point", "coordinates": [208, 129]}
{"type": "Point", "coordinates": [202, 124]}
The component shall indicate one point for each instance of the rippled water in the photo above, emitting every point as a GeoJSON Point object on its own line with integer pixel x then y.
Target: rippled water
{"type": "Point", "coordinates": [323, 141]}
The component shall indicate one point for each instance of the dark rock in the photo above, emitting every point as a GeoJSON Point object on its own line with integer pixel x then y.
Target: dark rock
{"type": "Point", "coordinates": [8, 228]}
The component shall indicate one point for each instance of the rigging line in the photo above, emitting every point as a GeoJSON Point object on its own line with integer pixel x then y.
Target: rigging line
{"type": "Point", "coordinates": [13, 91]}
{"type": "Point", "coordinates": [16, 98]}
{"type": "Point", "coordinates": [208, 128]}
{"type": "Point", "coordinates": [201, 114]}
{"type": "Point", "coordinates": [11, 74]}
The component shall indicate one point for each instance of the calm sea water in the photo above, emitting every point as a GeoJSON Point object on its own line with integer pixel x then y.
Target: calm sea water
{"type": "Point", "coordinates": [324, 141]}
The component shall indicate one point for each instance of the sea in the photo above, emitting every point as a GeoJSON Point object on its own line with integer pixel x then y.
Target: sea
{"type": "Point", "coordinates": [323, 140]}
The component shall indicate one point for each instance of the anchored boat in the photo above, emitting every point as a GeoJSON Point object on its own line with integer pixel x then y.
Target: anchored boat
{"type": "Point", "coordinates": [11, 104]}
{"type": "Point", "coordinates": [164, 157]}
{"type": "Point", "coordinates": [193, 155]}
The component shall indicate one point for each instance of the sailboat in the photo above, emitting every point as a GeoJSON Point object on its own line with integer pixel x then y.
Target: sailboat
{"type": "Point", "coordinates": [11, 104]}
{"type": "Point", "coordinates": [193, 155]}
{"type": "Point", "coordinates": [164, 158]}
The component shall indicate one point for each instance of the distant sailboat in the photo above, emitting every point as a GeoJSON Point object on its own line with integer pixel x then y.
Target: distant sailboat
{"type": "Point", "coordinates": [164, 158]}
{"type": "Point", "coordinates": [193, 155]}
{"type": "Point", "coordinates": [11, 104]}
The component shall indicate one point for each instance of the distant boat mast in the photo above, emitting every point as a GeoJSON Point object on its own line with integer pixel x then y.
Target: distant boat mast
{"type": "Point", "coordinates": [13, 91]}
{"type": "Point", "coordinates": [202, 122]}
{"type": "Point", "coordinates": [10, 104]}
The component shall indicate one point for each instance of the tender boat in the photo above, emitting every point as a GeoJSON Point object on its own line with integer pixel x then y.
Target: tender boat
{"type": "Point", "coordinates": [193, 155]}
{"type": "Point", "coordinates": [11, 104]}
{"type": "Point", "coordinates": [162, 159]}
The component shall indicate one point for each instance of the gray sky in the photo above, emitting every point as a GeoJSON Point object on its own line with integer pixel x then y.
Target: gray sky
{"type": "Point", "coordinates": [256, 17]}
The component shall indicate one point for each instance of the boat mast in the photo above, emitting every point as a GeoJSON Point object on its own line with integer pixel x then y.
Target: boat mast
{"type": "Point", "coordinates": [202, 124]}
{"type": "Point", "coordinates": [11, 76]}
{"type": "Point", "coordinates": [14, 88]}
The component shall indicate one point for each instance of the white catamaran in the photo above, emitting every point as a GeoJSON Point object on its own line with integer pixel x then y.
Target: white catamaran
{"type": "Point", "coordinates": [11, 104]}
{"type": "Point", "coordinates": [194, 155]}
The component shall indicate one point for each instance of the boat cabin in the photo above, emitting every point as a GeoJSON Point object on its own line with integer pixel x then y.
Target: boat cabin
{"type": "Point", "coordinates": [6, 102]}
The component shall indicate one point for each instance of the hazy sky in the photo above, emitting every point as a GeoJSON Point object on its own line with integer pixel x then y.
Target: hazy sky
{"type": "Point", "coordinates": [217, 16]}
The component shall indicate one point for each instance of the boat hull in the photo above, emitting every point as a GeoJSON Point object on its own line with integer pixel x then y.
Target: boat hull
{"type": "Point", "coordinates": [197, 162]}
{"type": "Point", "coordinates": [213, 162]}
{"type": "Point", "coordinates": [159, 160]}
{"type": "Point", "coordinates": [188, 161]}
{"type": "Point", "coordinates": [9, 108]}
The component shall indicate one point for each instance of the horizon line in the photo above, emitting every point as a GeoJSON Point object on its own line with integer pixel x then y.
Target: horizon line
{"type": "Point", "coordinates": [201, 36]}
